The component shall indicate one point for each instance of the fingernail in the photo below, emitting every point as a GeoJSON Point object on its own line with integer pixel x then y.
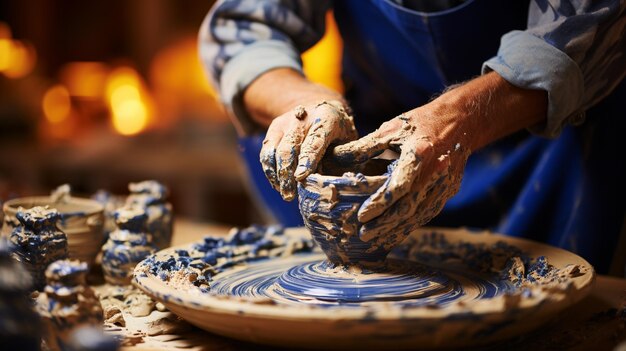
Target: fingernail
{"type": "Point", "coordinates": [300, 172]}
{"type": "Point", "coordinates": [366, 234]}
{"type": "Point", "coordinates": [362, 214]}
{"type": "Point", "coordinates": [288, 196]}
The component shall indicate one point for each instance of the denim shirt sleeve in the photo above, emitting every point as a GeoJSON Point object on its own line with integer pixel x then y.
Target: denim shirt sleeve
{"type": "Point", "coordinates": [574, 50]}
{"type": "Point", "coordinates": [241, 39]}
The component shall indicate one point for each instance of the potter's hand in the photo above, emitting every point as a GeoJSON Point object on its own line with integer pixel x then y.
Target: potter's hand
{"type": "Point", "coordinates": [426, 174]}
{"type": "Point", "coordinates": [434, 142]}
{"type": "Point", "coordinates": [297, 140]}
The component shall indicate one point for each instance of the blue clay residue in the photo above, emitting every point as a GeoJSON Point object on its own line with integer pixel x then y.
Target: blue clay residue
{"type": "Point", "coordinates": [540, 267]}
{"type": "Point", "coordinates": [427, 271]}
{"type": "Point", "coordinates": [134, 224]}
{"type": "Point", "coordinates": [65, 216]}
{"type": "Point", "coordinates": [66, 268]}
{"type": "Point", "coordinates": [214, 255]}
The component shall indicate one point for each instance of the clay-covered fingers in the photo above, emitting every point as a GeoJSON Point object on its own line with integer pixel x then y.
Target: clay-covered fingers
{"type": "Point", "coordinates": [287, 159]}
{"type": "Point", "coordinates": [268, 155]}
{"type": "Point", "coordinates": [404, 175]}
{"type": "Point", "coordinates": [404, 214]}
{"type": "Point", "coordinates": [330, 125]}
{"type": "Point", "coordinates": [367, 147]}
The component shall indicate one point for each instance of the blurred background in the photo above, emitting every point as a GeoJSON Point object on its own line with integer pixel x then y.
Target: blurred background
{"type": "Point", "coordinates": [99, 94]}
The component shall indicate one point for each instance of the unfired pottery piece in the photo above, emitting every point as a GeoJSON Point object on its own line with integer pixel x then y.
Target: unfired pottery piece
{"type": "Point", "coordinates": [37, 241]}
{"type": "Point", "coordinates": [80, 219]}
{"type": "Point", "coordinates": [475, 289]}
{"type": "Point", "coordinates": [329, 206]}
{"type": "Point", "coordinates": [67, 303]}
{"type": "Point", "coordinates": [151, 196]}
{"type": "Point", "coordinates": [126, 246]}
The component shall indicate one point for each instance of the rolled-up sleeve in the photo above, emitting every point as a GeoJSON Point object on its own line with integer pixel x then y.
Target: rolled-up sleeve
{"type": "Point", "coordinates": [574, 50]}
{"type": "Point", "coordinates": [241, 39]}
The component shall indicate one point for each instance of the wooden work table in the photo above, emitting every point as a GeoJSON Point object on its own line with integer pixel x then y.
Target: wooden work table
{"type": "Point", "coordinates": [591, 324]}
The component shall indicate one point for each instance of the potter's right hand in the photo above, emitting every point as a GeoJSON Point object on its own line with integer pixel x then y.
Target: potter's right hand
{"type": "Point", "coordinates": [296, 141]}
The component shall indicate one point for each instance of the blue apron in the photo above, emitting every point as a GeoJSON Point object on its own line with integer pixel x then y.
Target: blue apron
{"type": "Point", "coordinates": [567, 192]}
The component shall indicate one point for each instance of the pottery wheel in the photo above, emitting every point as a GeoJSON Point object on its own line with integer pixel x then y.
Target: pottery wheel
{"type": "Point", "coordinates": [441, 288]}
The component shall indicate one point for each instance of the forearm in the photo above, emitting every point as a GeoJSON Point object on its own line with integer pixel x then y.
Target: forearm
{"type": "Point", "coordinates": [280, 90]}
{"type": "Point", "coordinates": [241, 40]}
{"type": "Point", "coordinates": [488, 108]}
{"type": "Point", "coordinates": [574, 51]}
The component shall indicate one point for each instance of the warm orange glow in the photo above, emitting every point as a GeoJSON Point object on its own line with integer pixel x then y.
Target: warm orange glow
{"type": "Point", "coordinates": [17, 58]}
{"type": "Point", "coordinates": [5, 31]}
{"type": "Point", "coordinates": [84, 79]}
{"type": "Point", "coordinates": [56, 104]}
{"type": "Point", "coordinates": [322, 62]}
{"type": "Point", "coordinates": [128, 100]}
{"type": "Point", "coordinates": [180, 85]}
{"type": "Point", "coordinates": [178, 68]}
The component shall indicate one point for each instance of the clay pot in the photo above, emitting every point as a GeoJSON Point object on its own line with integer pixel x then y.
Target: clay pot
{"type": "Point", "coordinates": [329, 206]}
{"type": "Point", "coordinates": [126, 246]}
{"type": "Point", "coordinates": [151, 196]}
{"type": "Point", "coordinates": [38, 242]}
{"type": "Point", "coordinates": [67, 303]}
{"type": "Point", "coordinates": [80, 219]}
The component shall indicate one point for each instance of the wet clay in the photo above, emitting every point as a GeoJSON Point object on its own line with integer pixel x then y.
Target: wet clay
{"type": "Point", "coordinates": [429, 272]}
{"type": "Point", "coordinates": [431, 290]}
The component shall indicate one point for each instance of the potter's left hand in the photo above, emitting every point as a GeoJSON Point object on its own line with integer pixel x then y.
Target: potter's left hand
{"type": "Point", "coordinates": [427, 173]}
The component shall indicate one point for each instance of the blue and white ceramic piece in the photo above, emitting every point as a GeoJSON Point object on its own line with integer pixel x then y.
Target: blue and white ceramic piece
{"type": "Point", "coordinates": [80, 219]}
{"type": "Point", "coordinates": [67, 303]}
{"type": "Point", "coordinates": [126, 246]}
{"type": "Point", "coordinates": [20, 326]}
{"type": "Point", "coordinates": [329, 206]}
{"type": "Point", "coordinates": [455, 288]}
{"type": "Point", "coordinates": [38, 241]}
{"type": "Point", "coordinates": [151, 196]}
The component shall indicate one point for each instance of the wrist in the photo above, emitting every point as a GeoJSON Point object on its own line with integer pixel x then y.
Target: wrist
{"type": "Point", "coordinates": [281, 90]}
{"type": "Point", "coordinates": [488, 108]}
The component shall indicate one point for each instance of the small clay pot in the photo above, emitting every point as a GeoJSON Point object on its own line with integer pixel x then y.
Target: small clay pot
{"type": "Point", "coordinates": [151, 196]}
{"type": "Point", "coordinates": [329, 206]}
{"type": "Point", "coordinates": [80, 219]}
{"type": "Point", "coordinates": [38, 242]}
{"type": "Point", "coordinates": [126, 246]}
{"type": "Point", "coordinates": [67, 303]}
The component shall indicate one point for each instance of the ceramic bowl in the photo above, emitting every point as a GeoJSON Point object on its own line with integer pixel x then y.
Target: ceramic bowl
{"type": "Point", "coordinates": [329, 206]}
{"type": "Point", "coordinates": [81, 220]}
